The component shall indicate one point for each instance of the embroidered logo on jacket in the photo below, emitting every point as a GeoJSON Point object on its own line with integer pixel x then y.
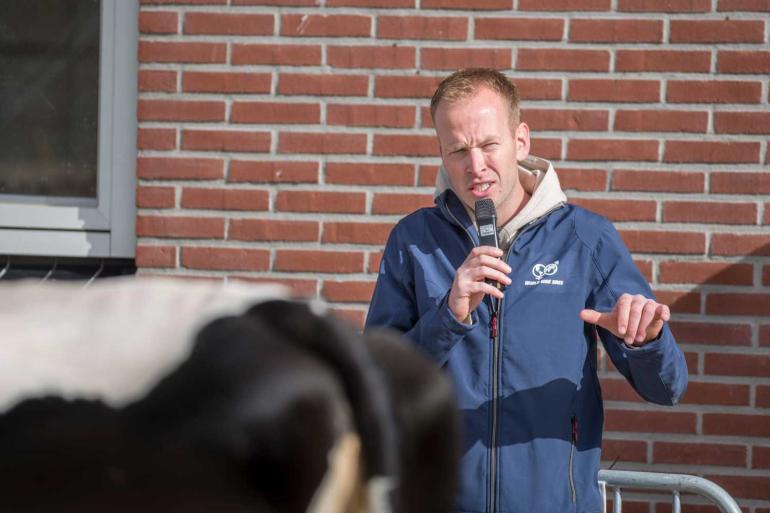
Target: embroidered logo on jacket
{"type": "Point", "coordinates": [541, 271]}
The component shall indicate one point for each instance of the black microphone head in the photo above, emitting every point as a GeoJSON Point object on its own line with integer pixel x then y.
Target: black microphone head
{"type": "Point", "coordinates": [485, 208]}
{"type": "Point", "coordinates": [486, 219]}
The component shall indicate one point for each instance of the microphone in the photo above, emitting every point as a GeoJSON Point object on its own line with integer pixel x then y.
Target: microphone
{"type": "Point", "coordinates": [486, 220]}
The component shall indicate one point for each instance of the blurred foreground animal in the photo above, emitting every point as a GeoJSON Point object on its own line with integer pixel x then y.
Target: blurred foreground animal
{"type": "Point", "coordinates": [137, 395]}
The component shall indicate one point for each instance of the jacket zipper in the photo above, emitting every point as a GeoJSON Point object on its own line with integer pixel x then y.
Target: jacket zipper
{"type": "Point", "coordinates": [492, 492]}
{"type": "Point", "coordinates": [494, 332]}
{"type": "Point", "coordinates": [572, 447]}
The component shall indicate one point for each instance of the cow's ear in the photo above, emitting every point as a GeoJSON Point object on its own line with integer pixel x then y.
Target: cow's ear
{"type": "Point", "coordinates": [340, 347]}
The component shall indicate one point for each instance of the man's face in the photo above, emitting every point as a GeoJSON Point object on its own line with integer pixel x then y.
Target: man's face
{"type": "Point", "coordinates": [480, 151]}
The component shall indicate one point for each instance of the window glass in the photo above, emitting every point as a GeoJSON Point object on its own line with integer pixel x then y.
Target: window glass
{"type": "Point", "coordinates": [49, 90]}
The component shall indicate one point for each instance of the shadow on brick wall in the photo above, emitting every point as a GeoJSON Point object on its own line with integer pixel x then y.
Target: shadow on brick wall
{"type": "Point", "coordinates": [721, 430]}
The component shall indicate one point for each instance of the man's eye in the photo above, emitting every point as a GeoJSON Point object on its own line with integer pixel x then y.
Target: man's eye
{"type": "Point", "coordinates": [490, 145]}
{"type": "Point", "coordinates": [459, 151]}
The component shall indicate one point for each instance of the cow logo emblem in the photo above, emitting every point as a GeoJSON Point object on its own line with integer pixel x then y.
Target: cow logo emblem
{"type": "Point", "coordinates": [540, 270]}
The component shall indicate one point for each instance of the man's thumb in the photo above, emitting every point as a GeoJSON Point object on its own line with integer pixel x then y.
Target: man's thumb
{"type": "Point", "coordinates": [590, 316]}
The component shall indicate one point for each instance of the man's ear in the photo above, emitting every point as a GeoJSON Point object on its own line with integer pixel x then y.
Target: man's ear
{"type": "Point", "coordinates": [521, 139]}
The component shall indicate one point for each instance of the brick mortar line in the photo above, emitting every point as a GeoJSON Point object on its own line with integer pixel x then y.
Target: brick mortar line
{"type": "Point", "coordinates": [295, 99]}
{"type": "Point", "coordinates": [370, 277]}
{"type": "Point", "coordinates": [373, 36]}
{"type": "Point", "coordinates": [706, 228]}
{"type": "Point", "coordinates": [711, 120]}
{"type": "Point", "coordinates": [304, 275]}
{"type": "Point", "coordinates": [267, 215]}
{"type": "Point", "coordinates": [274, 80]}
{"type": "Point", "coordinates": [670, 437]}
{"type": "Point", "coordinates": [548, 74]}
{"type": "Point", "coordinates": [663, 137]}
{"type": "Point", "coordinates": [489, 44]}
{"type": "Point", "coordinates": [612, 13]}
{"type": "Point", "coordinates": [680, 467]}
{"type": "Point", "coordinates": [733, 350]}
{"type": "Point", "coordinates": [352, 246]}
{"type": "Point", "coordinates": [221, 273]}
{"type": "Point", "coordinates": [418, 102]}
{"type": "Point", "coordinates": [555, 104]}
{"type": "Point", "coordinates": [177, 200]}
{"type": "Point", "coordinates": [717, 380]}
{"type": "Point", "coordinates": [359, 247]}
{"type": "Point", "coordinates": [744, 228]}
{"type": "Point", "coordinates": [611, 168]}
{"type": "Point", "coordinates": [268, 246]}
{"type": "Point", "coordinates": [682, 196]}
{"type": "Point", "coordinates": [427, 189]}
{"type": "Point", "coordinates": [767, 30]}
{"type": "Point", "coordinates": [698, 409]}
{"type": "Point", "coordinates": [714, 63]}
{"type": "Point", "coordinates": [729, 319]}
{"type": "Point", "coordinates": [705, 168]}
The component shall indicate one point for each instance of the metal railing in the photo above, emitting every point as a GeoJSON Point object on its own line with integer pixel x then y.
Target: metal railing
{"type": "Point", "coordinates": [675, 483]}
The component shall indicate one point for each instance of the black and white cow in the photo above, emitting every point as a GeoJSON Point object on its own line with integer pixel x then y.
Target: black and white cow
{"type": "Point", "coordinates": [155, 395]}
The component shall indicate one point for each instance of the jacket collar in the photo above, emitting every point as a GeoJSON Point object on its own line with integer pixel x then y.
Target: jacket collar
{"type": "Point", "coordinates": [539, 179]}
{"type": "Point", "coordinates": [456, 212]}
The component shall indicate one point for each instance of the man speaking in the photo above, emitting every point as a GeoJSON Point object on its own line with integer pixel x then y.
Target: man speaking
{"type": "Point", "coordinates": [515, 325]}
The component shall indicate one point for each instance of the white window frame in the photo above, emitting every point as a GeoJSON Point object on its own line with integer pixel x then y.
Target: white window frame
{"type": "Point", "coordinates": [30, 226]}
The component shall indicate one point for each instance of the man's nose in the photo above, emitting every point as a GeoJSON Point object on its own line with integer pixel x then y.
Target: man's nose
{"type": "Point", "coordinates": [476, 163]}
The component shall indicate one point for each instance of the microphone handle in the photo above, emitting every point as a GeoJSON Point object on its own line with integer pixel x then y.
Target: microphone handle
{"type": "Point", "coordinates": [488, 237]}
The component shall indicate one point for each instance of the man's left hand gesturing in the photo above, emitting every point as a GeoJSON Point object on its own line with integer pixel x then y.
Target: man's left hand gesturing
{"type": "Point", "coordinates": [635, 319]}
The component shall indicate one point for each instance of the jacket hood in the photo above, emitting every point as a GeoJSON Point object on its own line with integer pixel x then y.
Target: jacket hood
{"type": "Point", "coordinates": [539, 180]}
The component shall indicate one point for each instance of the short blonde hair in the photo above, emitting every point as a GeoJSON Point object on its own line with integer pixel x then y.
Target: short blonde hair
{"type": "Point", "coordinates": [464, 83]}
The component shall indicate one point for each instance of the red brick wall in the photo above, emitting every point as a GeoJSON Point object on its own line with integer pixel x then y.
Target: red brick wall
{"type": "Point", "coordinates": [281, 140]}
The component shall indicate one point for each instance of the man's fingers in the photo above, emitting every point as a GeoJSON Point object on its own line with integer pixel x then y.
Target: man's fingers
{"type": "Point", "coordinates": [495, 275]}
{"type": "Point", "coordinates": [476, 287]}
{"type": "Point", "coordinates": [469, 286]}
{"type": "Point", "coordinates": [484, 267]}
{"type": "Point", "coordinates": [493, 291]}
{"type": "Point", "coordinates": [634, 318]}
{"type": "Point", "coordinates": [486, 250]}
{"type": "Point", "coordinates": [623, 309]}
{"type": "Point", "coordinates": [591, 316]}
{"type": "Point", "coordinates": [494, 263]}
{"type": "Point", "coordinates": [642, 318]}
{"type": "Point", "coordinates": [648, 315]}
{"type": "Point", "coordinates": [663, 313]}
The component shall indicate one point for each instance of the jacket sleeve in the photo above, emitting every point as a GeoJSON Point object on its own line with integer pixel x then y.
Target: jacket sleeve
{"type": "Point", "coordinates": [656, 370]}
{"type": "Point", "coordinates": [430, 326]}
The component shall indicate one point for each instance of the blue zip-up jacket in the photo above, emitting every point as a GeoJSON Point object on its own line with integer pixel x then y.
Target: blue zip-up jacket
{"type": "Point", "coordinates": [529, 393]}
